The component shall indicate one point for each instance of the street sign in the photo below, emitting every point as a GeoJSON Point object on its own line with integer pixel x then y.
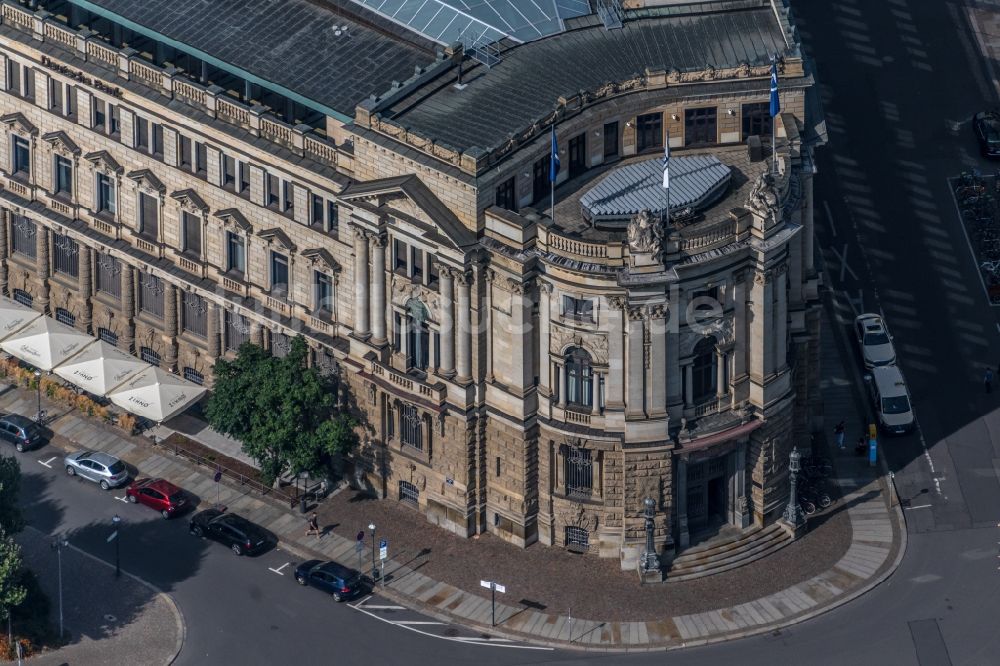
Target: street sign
{"type": "Point", "coordinates": [383, 549]}
{"type": "Point", "coordinates": [487, 584]}
{"type": "Point", "coordinates": [113, 536]}
{"type": "Point", "coordinates": [359, 547]}
{"type": "Point", "coordinates": [218, 476]}
{"type": "Point", "coordinates": [499, 588]}
{"type": "Point", "coordinates": [361, 535]}
{"type": "Point", "coordinates": [383, 543]}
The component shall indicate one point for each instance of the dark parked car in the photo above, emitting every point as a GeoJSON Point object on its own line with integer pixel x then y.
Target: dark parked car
{"type": "Point", "coordinates": [986, 125]}
{"type": "Point", "coordinates": [242, 536]}
{"type": "Point", "coordinates": [330, 577]}
{"type": "Point", "coordinates": [158, 494]}
{"type": "Point", "coordinates": [20, 431]}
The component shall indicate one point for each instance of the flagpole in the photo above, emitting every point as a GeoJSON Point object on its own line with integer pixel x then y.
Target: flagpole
{"type": "Point", "coordinates": [667, 188]}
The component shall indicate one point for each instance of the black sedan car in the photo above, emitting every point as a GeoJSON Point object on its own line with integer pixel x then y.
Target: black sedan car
{"type": "Point", "coordinates": [242, 536]}
{"type": "Point", "coordinates": [986, 125]}
{"type": "Point", "coordinates": [330, 577]}
{"type": "Point", "coordinates": [20, 431]}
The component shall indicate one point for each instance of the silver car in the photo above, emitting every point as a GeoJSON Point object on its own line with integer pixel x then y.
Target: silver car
{"type": "Point", "coordinates": [874, 341]}
{"type": "Point", "coordinates": [97, 466]}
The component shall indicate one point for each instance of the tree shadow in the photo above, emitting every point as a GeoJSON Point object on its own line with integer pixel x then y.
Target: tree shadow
{"type": "Point", "coordinates": [40, 509]}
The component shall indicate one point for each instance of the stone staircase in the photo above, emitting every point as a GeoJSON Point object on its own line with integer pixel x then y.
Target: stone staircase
{"type": "Point", "coordinates": [711, 559]}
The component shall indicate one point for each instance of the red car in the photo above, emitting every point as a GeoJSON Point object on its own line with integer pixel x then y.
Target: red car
{"type": "Point", "coordinates": [158, 494]}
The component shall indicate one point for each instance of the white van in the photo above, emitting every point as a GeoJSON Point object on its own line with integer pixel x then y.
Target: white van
{"type": "Point", "coordinates": [890, 399]}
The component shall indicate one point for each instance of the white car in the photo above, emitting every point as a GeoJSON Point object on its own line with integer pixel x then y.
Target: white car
{"type": "Point", "coordinates": [890, 399]}
{"type": "Point", "coordinates": [874, 341]}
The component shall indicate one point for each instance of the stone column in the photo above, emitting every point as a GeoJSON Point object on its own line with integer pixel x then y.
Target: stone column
{"type": "Point", "coordinates": [446, 288]}
{"type": "Point", "coordinates": [128, 306]}
{"type": "Point", "coordinates": [361, 304]}
{"type": "Point", "coordinates": [740, 326]}
{"type": "Point", "coordinates": [680, 500]}
{"type": "Point", "coordinates": [780, 319]}
{"type": "Point", "coordinates": [379, 243]}
{"type": "Point", "coordinates": [657, 405]}
{"type": "Point", "coordinates": [635, 373]}
{"type": "Point", "coordinates": [795, 273]}
{"type": "Point", "coordinates": [463, 362]}
{"type": "Point", "coordinates": [42, 266]}
{"type": "Point", "coordinates": [521, 370]}
{"type": "Point", "coordinates": [4, 222]}
{"type": "Point", "coordinates": [689, 384]}
{"type": "Point", "coordinates": [256, 334]}
{"type": "Point", "coordinates": [807, 231]}
{"type": "Point", "coordinates": [170, 325]}
{"type": "Point", "coordinates": [86, 262]}
{"type": "Point", "coordinates": [675, 397]}
{"type": "Point", "coordinates": [761, 345]}
{"type": "Point", "coordinates": [615, 388]}
{"type": "Point", "coordinates": [720, 373]}
{"type": "Point", "coordinates": [595, 403]}
{"type": "Point", "coordinates": [544, 331]}
{"type": "Point", "coordinates": [563, 384]}
{"type": "Point", "coordinates": [743, 513]}
{"type": "Point", "coordinates": [212, 331]}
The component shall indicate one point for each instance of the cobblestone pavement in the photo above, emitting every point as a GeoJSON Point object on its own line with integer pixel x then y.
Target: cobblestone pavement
{"type": "Point", "coordinates": [122, 621]}
{"type": "Point", "coordinates": [555, 597]}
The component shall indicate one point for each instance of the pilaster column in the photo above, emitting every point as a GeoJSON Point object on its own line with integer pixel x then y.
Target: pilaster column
{"type": "Point", "coordinates": [85, 280]}
{"type": "Point", "coordinates": [720, 373]}
{"type": "Point", "coordinates": [595, 403]}
{"type": "Point", "coordinates": [563, 384]}
{"type": "Point", "coordinates": [256, 334]}
{"type": "Point", "coordinates": [795, 273]}
{"type": "Point", "coordinates": [521, 364]}
{"type": "Point", "coordinates": [781, 319]}
{"type": "Point", "coordinates": [463, 341]}
{"type": "Point", "coordinates": [128, 306]}
{"type": "Point", "coordinates": [446, 288]}
{"type": "Point", "coordinates": [212, 331]}
{"type": "Point", "coordinates": [4, 253]}
{"type": "Point", "coordinates": [544, 331]}
{"type": "Point", "coordinates": [689, 384]}
{"type": "Point", "coordinates": [683, 538]}
{"type": "Point", "coordinates": [740, 324]}
{"type": "Point", "coordinates": [361, 297]}
{"type": "Point", "coordinates": [42, 266]}
{"type": "Point", "coordinates": [657, 405]}
{"type": "Point", "coordinates": [170, 325]}
{"type": "Point", "coordinates": [635, 374]}
{"type": "Point", "coordinates": [761, 345]}
{"type": "Point", "coordinates": [615, 388]}
{"type": "Point", "coordinates": [809, 224]}
{"type": "Point", "coordinates": [378, 311]}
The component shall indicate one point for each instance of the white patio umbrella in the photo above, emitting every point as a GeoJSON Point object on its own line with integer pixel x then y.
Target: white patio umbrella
{"type": "Point", "coordinates": [14, 316]}
{"type": "Point", "coordinates": [45, 343]}
{"type": "Point", "coordinates": [156, 394]}
{"type": "Point", "coordinates": [100, 368]}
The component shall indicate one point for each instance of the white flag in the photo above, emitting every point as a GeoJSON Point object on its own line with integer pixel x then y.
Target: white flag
{"type": "Point", "coordinates": [666, 162]}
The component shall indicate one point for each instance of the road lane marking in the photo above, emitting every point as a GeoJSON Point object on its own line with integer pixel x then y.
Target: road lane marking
{"type": "Point", "coordinates": [843, 264]}
{"type": "Point", "coordinates": [122, 499]}
{"type": "Point", "coordinates": [386, 607]}
{"type": "Point", "coordinates": [829, 218]}
{"type": "Point", "coordinates": [278, 570]}
{"type": "Point", "coordinates": [417, 622]}
{"type": "Point", "coordinates": [476, 639]}
{"type": "Point", "coordinates": [46, 463]}
{"type": "Point", "coordinates": [921, 506]}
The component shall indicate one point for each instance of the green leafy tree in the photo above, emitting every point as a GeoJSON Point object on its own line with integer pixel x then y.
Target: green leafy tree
{"type": "Point", "coordinates": [282, 411]}
{"type": "Point", "coordinates": [12, 592]}
{"type": "Point", "coordinates": [11, 521]}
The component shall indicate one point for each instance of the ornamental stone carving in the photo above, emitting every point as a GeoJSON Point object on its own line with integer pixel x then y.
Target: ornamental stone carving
{"type": "Point", "coordinates": [562, 338]}
{"type": "Point", "coordinates": [404, 291]}
{"type": "Point", "coordinates": [764, 197]}
{"type": "Point", "coordinates": [645, 234]}
{"type": "Point", "coordinates": [617, 302]}
{"type": "Point", "coordinates": [721, 329]}
{"type": "Point", "coordinates": [579, 517]}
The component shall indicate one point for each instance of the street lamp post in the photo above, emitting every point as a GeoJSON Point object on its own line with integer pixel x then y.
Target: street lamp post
{"type": "Point", "coordinates": [118, 562]}
{"type": "Point", "coordinates": [38, 393]}
{"type": "Point", "coordinates": [371, 528]}
{"type": "Point", "coordinates": [793, 512]}
{"type": "Point", "coordinates": [57, 546]}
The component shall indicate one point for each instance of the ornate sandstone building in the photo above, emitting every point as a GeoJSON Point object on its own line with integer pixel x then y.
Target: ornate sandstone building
{"type": "Point", "coordinates": [180, 177]}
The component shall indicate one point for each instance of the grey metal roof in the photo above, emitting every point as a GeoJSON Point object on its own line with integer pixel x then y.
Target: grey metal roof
{"type": "Point", "coordinates": [291, 43]}
{"type": "Point", "coordinates": [695, 181]}
{"type": "Point", "coordinates": [525, 86]}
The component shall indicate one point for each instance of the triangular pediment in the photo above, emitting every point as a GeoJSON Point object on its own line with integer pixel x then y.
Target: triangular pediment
{"type": "Point", "coordinates": [409, 196]}
{"type": "Point", "coordinates": [233, 218]}
{"type": "Point", "coordinates": [190, 198]}
{"type": "Point", "coordinates": [278, 236]}
{"type": "Point", "coordinates": [320, 256]}
{"type": "Point", "coordinates": [61, 142]}
{"type": "Point", "coordinates": [149, 179]}
{"type": "Point", "coordinates": [18, 123]}
{"type": "Point", "coordinates": [102, 159]}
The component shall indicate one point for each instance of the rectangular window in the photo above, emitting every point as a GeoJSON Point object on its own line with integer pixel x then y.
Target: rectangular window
{"type": "Point", "coordinates": [577, 155]}
{"type": "Point", "coordinates": [100, 115]}
{"type": "Point", "coordinates": [432, 271]}
{"type": "Point", "coordinates": [287, 197]}
{"type": "Point", "coordinates": [506, 196]}
{"type": "Point", "coordinates": [279, 274]}
{"type": "Point", "coordinates": [115, 120]}
{"type": "Point", "coordinates": [578, 308]}
{"type": "Point", "coordinates": [316, 216]}
{"type": "Point", "coordinates": [649, 131]}
{"type": "Point", "coordinates": [756, 119]}
{"type": "Point", "coordinates": [149, 219]}
{"type": "Point", "coordinates": [332, 217]}
{"type": "Point", "coordinates": [184, 152]}
{"type": "Point", "coordinates": [64, 316]}
{"type": "Point", "coordinates": [66, 252]}
{"type": "Point", "coordinates": [273, 191]}
{"type": "Point", "coordinates": [64, 176]}
{"type": "Point", "coordinates": [397, 332]}
{"type": "Point", "coordinates": [14, 77]}
{"type": "Point", "coordinates": [56, 96]}
{"type": "Point", "coordinates": [324, 292]}
{"type": "Point", "coordinates": [194, 376]}
{"type": "Point", "coordinates": [70, 101]}
{"type": "Point", "coordinates": [540, 186]}
{"type": "Point", "coordinates": [109, 272]}
{"type": "Point", "coordinates": [700, 127]}
{"type": "Point", "coordinates": [200, 158]}
{"type": "Point", "coordinates": [105, 194]}
{"type": "Point", "coordinates": [23, 239]}
{"type": "Point", "coordinates": [141, 133]}
{"type": "Point", "coordinates": [228, 172]}
{"type": "Point", "coordinates": [22, 156]}
{"type": "Point", "coordinates": [151, 295]}
{"type": "Point", "coordinates": [236, 330]}
{"type": "Point", "coordinates": [194, 315]}
{"type": "Point", "coordinates": [579, 471]}
{"type": "Point", "coordinates": [244, 187]}
{"type": "Point", "coordinates": [192, 234]}
{"type": "Point", "coordinates": [610, 139]}
{"type": "Point", "coordinates": [418, 264]}
{"type": "Point", "coordinates": [158, 140]}
{"type": "Point", "coordinates": [23, 297]}
{"type": "Point", "coordinates": [235, 253]}
{"type": "Point", "coordinates": [29, 83]}
{"type": "Point", "coordinates": [399, 252]}
{"type": "Point", "coordinates": [108, 336]}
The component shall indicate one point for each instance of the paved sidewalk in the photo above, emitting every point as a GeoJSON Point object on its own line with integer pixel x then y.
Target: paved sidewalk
{"type": "Point", "coordinates": [984, 18]}
{"type": "Point", "coordinates": [123, 621]}
{"type": "Point", "coordinates": [872, 555]}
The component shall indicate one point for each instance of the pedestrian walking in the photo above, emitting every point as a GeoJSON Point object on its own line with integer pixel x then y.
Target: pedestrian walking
{"type": "Point", "coordinates": [861, 448]}
{"type": "Point", "coordinates": [313, 526]}
{"type": "Point", "coordinates": [839, 431]}
{"type": "Point", "coordinates": [988, 380]}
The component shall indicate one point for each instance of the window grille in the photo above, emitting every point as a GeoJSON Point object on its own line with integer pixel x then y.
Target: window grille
{"type": "Point", "coordinates": [108, 336]}
{"type": "Point", "coordinates": [409, 493]}
{"type": "Point", "coordinates": [194, 315]}
{"type": "Point", "coordinates": [577, 536]}
{"type": "Point", "coordinates": [23, 297]}
{"type": "Point", "coordinates": [149, 356]}
{"type": "Point", "coordinates": [237, 330]}
{"type": "Point", "coordinates": [151, 295]}
{"type": "Point", "coordinates": [410, 426]}
{"type": "Point", "coordinates": [194, 376]}
{"type": "Point", "coordinates": [64, 316]}
{"type": "Point", "coordinates": [579, 471]}
{"type": "Point", "coordinates": [109, 275]}
{"type": "Point", "coordinates": [67, 255]}
{"type": "Point", "coordinates": [22, 237]}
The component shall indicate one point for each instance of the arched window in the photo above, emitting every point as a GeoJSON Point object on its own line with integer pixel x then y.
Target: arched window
{"type": "Point", "coordinates": [579, 378]}
{"type": "Point", "coordinates": [417, 335]}
{"type": "Point", "coordinates": [703, 376]}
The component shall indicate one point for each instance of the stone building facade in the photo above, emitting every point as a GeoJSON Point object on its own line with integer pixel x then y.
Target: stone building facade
{"type": "Point", "coordinates": [521, 368]}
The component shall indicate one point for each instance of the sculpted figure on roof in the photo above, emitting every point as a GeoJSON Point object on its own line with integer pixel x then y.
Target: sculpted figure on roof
{"type": "Point", "coordinates": [645, 234]}
{"type": "Point", "coordinates": [764, 196]}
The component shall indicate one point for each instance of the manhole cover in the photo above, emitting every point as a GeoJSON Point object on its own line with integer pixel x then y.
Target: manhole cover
{"type": "Point", "coordinates": [110, 618]}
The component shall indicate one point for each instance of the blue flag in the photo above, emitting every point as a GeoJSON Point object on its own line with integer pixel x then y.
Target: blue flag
{"type": "Point", "coordinates": [775, 102]}
{"type": "Point", "coordinates": [554, 158]}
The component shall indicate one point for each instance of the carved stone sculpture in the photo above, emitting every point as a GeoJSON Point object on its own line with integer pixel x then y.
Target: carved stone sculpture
{"type": "Point", "coordinates": [645, 234]}
{"type": "Point", "coordinates": [764, 196]}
